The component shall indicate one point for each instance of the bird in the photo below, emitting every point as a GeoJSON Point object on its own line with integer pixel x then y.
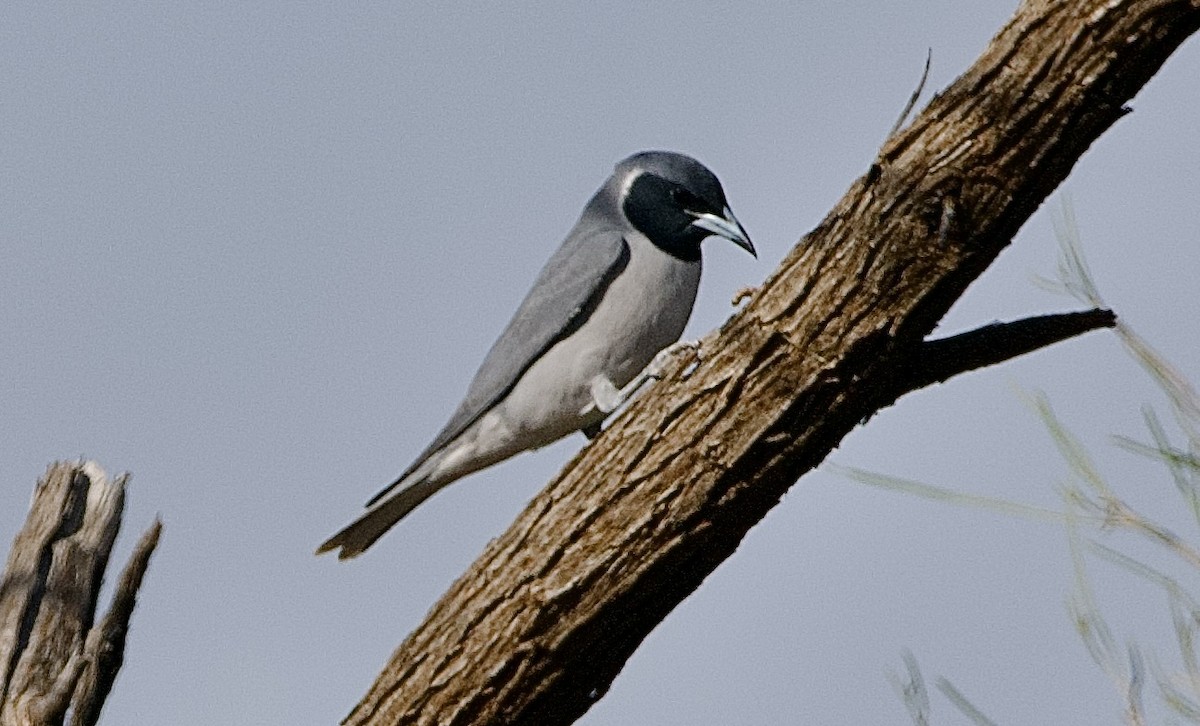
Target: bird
{"type": "Point", "coordinates": [617, 292]}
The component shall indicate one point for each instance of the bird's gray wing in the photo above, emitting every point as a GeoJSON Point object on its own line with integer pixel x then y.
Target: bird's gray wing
{"type": "Point", "coordinates": [563, 295]}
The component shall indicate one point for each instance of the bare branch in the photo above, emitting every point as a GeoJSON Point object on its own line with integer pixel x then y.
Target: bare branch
{"type": "Point", "coordinates": [105, 648]}
{"type": "Point", "coordinates": [916, 95]}
{"type": "Point", "coordinates": [939, 360]}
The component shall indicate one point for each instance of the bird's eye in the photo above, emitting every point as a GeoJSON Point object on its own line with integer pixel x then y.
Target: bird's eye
{"type": "Point", "coordinates": [687, 200]}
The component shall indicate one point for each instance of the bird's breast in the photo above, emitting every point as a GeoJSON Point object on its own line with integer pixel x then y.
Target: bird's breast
{"type": "Point", "coordinates": [643, 310]}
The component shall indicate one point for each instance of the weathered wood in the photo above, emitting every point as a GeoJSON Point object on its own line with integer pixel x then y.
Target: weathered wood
{"type": "Point", "coordinates": [48, 599]}
{"type": "Point", "coordinates": [537, 628]}
{"type": "Point", "coordinates": [104, 651]}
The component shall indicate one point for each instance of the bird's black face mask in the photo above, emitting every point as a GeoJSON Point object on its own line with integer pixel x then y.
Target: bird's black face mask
{"type": "Point", "coordinates": [664, 212]}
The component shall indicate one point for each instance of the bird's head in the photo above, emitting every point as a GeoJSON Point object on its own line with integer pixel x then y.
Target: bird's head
{"type": "Point", "coordinates": [677, 203]}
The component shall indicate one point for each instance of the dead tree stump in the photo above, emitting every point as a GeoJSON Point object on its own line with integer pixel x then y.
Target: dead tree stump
{"type": "Point", "coordinates": [57, 665]}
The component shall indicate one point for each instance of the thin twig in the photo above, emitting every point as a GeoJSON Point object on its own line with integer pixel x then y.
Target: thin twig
{"type": "Point", "coordinates": [916, 94]}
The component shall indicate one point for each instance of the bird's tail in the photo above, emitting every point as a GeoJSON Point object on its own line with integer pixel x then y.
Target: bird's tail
{"type": "Point", "coordinates": [356, 537]}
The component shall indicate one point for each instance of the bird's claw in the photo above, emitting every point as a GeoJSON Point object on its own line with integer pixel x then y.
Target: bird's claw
{"type": "Point", "coordinates": [607, 398]}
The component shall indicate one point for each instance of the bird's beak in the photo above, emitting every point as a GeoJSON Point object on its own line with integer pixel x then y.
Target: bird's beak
{"type": "Point", "coordinates": [725, 226]}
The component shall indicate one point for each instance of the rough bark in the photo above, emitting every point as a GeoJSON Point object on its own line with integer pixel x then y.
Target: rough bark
{"type": "Point", "coordinates": [537, 628]}
{"type": "Point", "coordinates": [51, 656]}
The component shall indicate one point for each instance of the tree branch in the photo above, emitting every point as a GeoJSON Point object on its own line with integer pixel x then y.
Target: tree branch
{"type": "Point", "coordinates": [537, 628]}
{"type": "Point", "coordinates": [105, 647]}
{"type": "Point", "coordinates": [936, 361]}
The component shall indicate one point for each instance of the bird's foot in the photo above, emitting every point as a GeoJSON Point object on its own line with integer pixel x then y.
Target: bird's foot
{"type": "Point", "coordinates": [606, 397]}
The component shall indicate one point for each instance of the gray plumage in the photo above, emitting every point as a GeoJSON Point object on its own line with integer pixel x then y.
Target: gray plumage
{"type": "Point", "coordinates": [618, 290]}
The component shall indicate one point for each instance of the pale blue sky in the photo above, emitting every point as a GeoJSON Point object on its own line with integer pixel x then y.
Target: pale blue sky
{"type": "Point", "coordinates": [253, 253]}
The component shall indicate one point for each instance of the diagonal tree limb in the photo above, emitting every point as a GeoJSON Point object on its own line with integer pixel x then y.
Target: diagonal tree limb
{"type": "Point", "coordinates": [537, 628]}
